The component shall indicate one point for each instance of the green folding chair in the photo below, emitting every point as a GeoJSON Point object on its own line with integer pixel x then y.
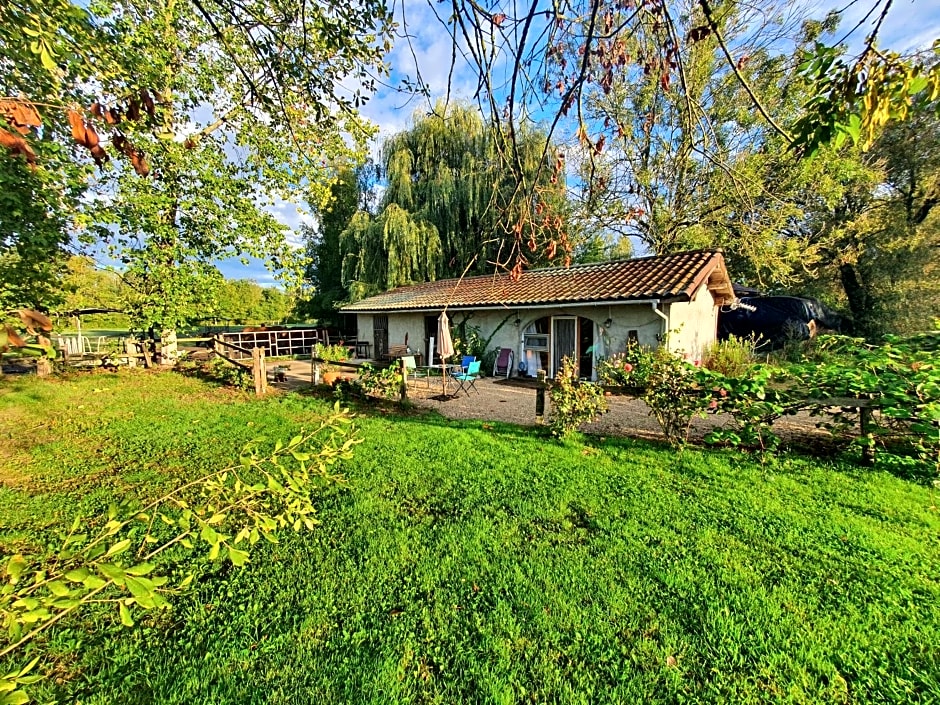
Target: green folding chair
{"type": "Point", "coordinates": [467, 380]}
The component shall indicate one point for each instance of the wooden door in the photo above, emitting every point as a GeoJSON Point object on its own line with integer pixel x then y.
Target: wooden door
{"type": "Point", "coordinates": [380, 335]}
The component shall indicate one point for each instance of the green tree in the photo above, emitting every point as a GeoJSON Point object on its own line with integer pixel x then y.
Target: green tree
{"type": "Point", "coordinates": [881, 241]}
{"type": "Point", "coordinates": [208, 114]}
{"type": "Point", "coordinates": [540, 62]}
{"type": "Point", "coordinates": [448, 206]}
{"type": "Point", "coordinates": [350, 191]}
{"type": "Point", "coordinates": [697, 167]}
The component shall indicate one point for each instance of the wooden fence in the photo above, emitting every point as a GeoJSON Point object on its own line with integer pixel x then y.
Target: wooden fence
{"type": "Point", "coordinates": [278, 343]}
{"type": "Point", "coordinates": [227, 351]}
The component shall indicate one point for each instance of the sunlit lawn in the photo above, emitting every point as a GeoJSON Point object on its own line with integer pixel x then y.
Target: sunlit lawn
{"type": "Point", "coordinates": [477, 562]}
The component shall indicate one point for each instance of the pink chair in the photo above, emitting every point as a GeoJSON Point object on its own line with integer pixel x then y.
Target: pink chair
{"type": "Point", "coordinates": [502, 367]}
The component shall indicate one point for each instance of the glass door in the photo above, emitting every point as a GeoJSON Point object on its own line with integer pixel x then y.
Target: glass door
{"type": "Point", "coordinates": [564, 341]}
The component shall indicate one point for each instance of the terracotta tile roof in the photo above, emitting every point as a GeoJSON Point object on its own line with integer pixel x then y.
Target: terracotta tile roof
{"type": "Point", "coordinates": [669, 277]}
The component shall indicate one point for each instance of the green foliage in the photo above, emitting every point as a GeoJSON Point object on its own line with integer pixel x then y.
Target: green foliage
{"type": "Point", "coordinates": [129, 561]}
{"type": "Point", "coordinates": [469, 340]}
{"type": "Point", "coordinates": [224, 111]}
{"type": "Point", "coordinates": [573, 402]}
{"type": "Point", "coordinates": [631, 368]}
{"type": "Point", "coordinates": [858, 99]}
{"type": "Point", "coordinates": [673, 394]}
{"type": "Point", "coordinates": [330, 353]}
{"type": "Point", "coordinates": [218, 370]}
{"type": "Point", "coordinates": [450, 205]}
{"type": "Point", "coordinates": [902, 378]}
{"type": "Point", "coordinates": [384, 383]}
{"type": "Point", "coordinates": [753, 399]}
{"type": "Point", "coordinates": [467, 556]}
{"type": "Point", "coordinates": [246, 301]}
{"type": "Point", "coordinates": [349, 192]}
{"type": "Point", "coordinates": [732, 357]}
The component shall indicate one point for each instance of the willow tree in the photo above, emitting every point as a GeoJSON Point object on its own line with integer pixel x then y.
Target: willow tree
{"type": "Point", "coordinates": [451, 205]}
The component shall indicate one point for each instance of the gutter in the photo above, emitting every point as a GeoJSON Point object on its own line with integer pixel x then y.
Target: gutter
{"type": "Point", "coordinates": [522, 307]}
{"type": "Point", "coordinates": [655, 307]}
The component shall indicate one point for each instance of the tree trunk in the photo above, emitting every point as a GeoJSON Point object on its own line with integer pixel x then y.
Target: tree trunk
{"type": "Point", "coordinates": [859, 300]}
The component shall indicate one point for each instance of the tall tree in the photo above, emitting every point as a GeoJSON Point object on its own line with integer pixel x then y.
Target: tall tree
{"type": "Point", "coordinates": [209, 113]}
{"type": "Point", "coordinates": [449, 205]}
{"type": "Point", "coordinates": [881, 239]}
{"type": "Point", "coordinates": [545, 61]}
{"type": "Point", "coordinates": [351, 191]}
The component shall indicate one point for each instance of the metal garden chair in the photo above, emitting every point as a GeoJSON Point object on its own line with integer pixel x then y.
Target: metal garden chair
{"type": "Point", "coordinates": [467, 380]}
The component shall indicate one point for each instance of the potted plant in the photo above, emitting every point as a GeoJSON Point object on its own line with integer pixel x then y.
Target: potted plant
{"type": "Point", "coordinates": [330, 355]}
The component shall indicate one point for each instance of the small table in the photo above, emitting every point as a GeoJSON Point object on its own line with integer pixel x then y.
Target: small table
{"type": "Point", "coordinates": [435, 371]}
{"type": "Point", "coordinates": [362, 349]}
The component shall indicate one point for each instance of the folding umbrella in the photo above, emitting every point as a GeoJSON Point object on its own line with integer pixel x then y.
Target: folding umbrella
{"type": "Point", "coordinates": [445, 347]}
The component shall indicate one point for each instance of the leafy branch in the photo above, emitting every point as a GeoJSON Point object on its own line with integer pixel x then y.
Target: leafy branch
{"type": "Point", "coordinates": [132, 562]}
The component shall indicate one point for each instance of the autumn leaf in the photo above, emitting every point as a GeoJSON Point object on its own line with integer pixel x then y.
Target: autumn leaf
{"type": "Point", "coordinates": [33, 320]}
{"type": "Point", "coordinates": [17, 146]}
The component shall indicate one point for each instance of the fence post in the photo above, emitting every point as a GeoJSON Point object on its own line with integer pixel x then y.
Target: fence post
{"type": "Point", "coordinates": [43, 366]}
{"type": "Point", "coordinates": [540, 398]}
{"type": "Point", "coordinates": [130, 347]}
{"type": "Point", "coordinates": [257, 370]}
{"type": "Point", "coordinates": [403, 392]}
{"type": "Point", "coordinates": [145, 349]}
{"type": "Point", "coordinates": [868, 440]}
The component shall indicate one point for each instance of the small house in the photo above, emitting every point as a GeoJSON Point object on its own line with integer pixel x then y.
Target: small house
{"type": "Point", "coordinates": [585, 311]}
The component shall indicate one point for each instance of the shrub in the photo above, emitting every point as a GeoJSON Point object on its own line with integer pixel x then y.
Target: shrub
{"type": "Point", "coordinates": [218, 370]}
{"type": "Point", "coordinates": [574, 402]}
{"type": "Point", "coordinates": [673, 394]}
{"type": "Point", "coordinates": [330, 354]}
{"type": "Point", "coordinates": [754, 400]}
{"type": "Point", "coordinates": [383, 383]}
{"type": "Point", "coordinates": [630, 368]}
{"type": "Point", "coordinates": [733, 357]}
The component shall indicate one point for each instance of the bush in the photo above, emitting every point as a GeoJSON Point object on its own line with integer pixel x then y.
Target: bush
{"type": "Point", "coordinates": [674, 394]}
{"type": "Point", "coordinates": [383, 383]}
{"type": "Point", "coordinates": [733, 357]}
{"type": "Point", "coordinates": [631, 368]}
{"type": "Point", "coordinates": [574, 402]}
{"type": "Point", "coordinates": [754, 400]}
{"type": "Point", "coordinates": [218, 370]}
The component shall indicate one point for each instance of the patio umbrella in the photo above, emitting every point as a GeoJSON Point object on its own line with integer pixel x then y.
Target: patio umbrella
{"type": "Point", "coordinates": [445, 347]}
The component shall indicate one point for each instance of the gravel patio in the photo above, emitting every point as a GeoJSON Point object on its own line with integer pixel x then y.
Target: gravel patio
{"type": "Point", "coordinates": [513, 401]}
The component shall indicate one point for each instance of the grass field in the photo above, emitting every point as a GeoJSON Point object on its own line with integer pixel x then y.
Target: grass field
{"type": "Point", "coordinates": [472, 562]}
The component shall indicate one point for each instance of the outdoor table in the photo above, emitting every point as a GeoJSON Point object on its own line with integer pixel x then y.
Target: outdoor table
{"type": "Point", "coordinates": [451, 371]}
{"type": "Point", "coordinates": [362, 349]}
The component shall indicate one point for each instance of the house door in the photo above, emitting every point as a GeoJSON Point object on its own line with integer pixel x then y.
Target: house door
{"type": "Point", "coordinates": [380, 335]}
{"type": "Point", "coordinates": [564, 341]}
{"type": "Point", "coordinates": [430, 342]}
{"type": "Point", "coordinates": [586, 348]}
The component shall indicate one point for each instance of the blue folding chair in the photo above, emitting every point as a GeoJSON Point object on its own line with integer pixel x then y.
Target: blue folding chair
{"type": "Point", "coordinates": [465, 362]}
{"type": "Point", "coordinates": [468, 379]}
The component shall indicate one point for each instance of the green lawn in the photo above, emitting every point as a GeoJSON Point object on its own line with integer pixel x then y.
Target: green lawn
{"type": "Point", "coordinates": [472, 562]}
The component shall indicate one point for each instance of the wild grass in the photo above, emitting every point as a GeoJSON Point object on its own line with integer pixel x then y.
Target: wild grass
{"type": "Point", "coordinates": [471, 562]}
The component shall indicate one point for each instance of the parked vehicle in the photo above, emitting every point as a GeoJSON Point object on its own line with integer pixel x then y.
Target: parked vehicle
{"type": "Point", "coordinates": [776, 320]}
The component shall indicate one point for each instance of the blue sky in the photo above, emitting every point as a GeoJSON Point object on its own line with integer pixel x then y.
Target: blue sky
{"type": "Point", "coordinates": [910, 24]}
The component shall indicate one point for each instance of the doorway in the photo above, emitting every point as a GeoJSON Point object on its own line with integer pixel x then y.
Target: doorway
{"type": "Point", "coordinates": [573, 337]}
{"type": "Point", "coordinates": [380, 335]}
{"type": "Point", "coordinates": [430, 335]}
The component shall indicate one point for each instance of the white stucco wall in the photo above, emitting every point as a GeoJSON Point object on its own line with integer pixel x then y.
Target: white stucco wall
{"type": "Point", "coordinates": [364, 329]}
{"type": "Point", "coordinates": [693, 325]}
{"type": "Point", "coordinates": [500, 324]}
